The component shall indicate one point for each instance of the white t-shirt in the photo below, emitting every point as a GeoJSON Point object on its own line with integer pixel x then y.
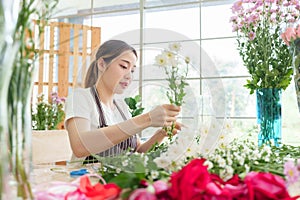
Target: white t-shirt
{"type": "Point", "coordinates": [81, 103]}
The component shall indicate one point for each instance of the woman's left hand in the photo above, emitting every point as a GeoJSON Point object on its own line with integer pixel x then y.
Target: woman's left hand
{"type": "Point", "coordinates": [177, 128]}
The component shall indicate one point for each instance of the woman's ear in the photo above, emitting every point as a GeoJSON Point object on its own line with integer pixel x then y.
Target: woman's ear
{"type": "Point", "coordinates": [101, 65]}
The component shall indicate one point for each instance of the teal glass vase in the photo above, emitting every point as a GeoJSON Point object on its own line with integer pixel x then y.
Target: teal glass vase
{"type": "Point", "coordinates": [269, 116]}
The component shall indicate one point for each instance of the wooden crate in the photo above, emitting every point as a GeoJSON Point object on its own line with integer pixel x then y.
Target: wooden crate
{"type": "Point", "coordinates": [65, 51]}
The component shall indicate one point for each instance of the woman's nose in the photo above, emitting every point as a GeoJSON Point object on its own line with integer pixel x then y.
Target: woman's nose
{"type": "Point", "coordinates": [129, 75]}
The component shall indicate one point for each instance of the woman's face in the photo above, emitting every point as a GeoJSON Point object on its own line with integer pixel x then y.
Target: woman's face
{"type": "Point", "coordinates": [118, 75]}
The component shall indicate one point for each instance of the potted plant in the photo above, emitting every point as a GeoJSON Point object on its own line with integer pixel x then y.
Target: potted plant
{"type": "Point", "coordinates": [47, 115]}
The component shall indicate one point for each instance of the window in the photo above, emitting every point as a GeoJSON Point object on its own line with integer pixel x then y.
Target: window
{"type": "Point", "coordinates": [203, 28]}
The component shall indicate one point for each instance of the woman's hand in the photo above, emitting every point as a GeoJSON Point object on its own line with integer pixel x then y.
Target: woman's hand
{"type": "Point", "coordinates": [164, 115]}
{"type": "Point", "coordinates": [176, 129]}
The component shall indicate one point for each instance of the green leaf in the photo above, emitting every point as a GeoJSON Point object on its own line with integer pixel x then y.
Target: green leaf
{"type": "Point", "coordinates": [126, 180]}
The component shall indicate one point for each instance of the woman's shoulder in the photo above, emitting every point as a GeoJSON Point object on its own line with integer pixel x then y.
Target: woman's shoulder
{"type": "Point", "coordinates": [80, 94]}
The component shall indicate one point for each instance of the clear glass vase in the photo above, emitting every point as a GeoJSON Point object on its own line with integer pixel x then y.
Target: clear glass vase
{"type": "Point", "coordinates": [5, 74]}
{"type": "Point", "coordinates": [8, 49]}
{"type": "Point", "coordinates": [269, 116]}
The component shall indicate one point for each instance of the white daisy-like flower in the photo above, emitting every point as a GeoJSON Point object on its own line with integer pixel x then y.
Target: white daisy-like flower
{"type": "Point", "coordinates": [161, 60]}
{"type": "Point", "coordinates": [154, 174]}
{"type": "Point", "coordinates": [169, 55]}
{"type": "Point", "coordinates": [175, 47]}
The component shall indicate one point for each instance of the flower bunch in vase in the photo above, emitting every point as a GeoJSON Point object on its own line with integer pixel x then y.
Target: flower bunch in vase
{"type": "Point", "coordinates": [258, 26]}
{"type": "Point", "coordinates": [291, 37]}
{"type": "Point", "coordinates": [176, 70]}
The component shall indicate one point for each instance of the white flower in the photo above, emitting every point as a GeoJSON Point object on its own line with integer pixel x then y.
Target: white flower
{"type": "Point", "coordinates": [175, 47]}
{"type": "Point", "coordinates": [154, 174]}
{"type": "Point", "coordinates": [161, 60]}
{"type": "Point", "coordinates": [209, 164]}
{"type": "Point", "coordinates": [226, 173]}
{"type": "Point", "coordinates": [229, 161]}
{"type": "Point", "coordinates": [169, 55]}
{"type": "Point", "coordinates": [241, 160]}
{"type": "Point", "coordinates": [221, 162]}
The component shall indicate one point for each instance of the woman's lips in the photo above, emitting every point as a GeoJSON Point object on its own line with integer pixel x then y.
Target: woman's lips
{"type": "Point", "coordinates": [124, 84]}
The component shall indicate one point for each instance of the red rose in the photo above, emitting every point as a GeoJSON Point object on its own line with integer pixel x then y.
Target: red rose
{"type": "Point", "coordinates": [262, 185]}
{"type": "Point", "coordinates": [190, 182]}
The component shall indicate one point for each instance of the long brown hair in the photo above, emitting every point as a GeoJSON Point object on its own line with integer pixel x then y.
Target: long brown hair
{"type": "Point", "coordinates": [108, 51]}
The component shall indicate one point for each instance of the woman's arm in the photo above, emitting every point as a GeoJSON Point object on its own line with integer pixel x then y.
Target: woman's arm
{"type": "Point", "coordinates": [85, 142]}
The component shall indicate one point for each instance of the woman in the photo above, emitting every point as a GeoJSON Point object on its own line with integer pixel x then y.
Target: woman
{"type": "Point", "coordinates": [98, 124]}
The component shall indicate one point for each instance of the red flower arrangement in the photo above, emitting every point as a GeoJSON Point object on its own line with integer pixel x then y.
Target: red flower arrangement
{"type": "Point", "coordinates": [194, 181]}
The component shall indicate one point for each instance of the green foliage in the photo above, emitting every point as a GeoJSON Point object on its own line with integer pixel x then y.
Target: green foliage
{"type": "Point", "coordinates": [269, 62]}
{"type": "Point", "coordinates": [135, 105]}
{"type": "Point", "coordinates": [129, 169]}
{"type": "Point", "coordinates": [47, 115]}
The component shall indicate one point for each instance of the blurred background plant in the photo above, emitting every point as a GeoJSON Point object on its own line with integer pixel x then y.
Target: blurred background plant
{"type": "Point", "coordinates": [46, 115]}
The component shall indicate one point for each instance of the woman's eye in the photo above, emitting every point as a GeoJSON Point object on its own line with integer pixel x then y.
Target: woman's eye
{"type": "Point", "coordinates": [132, 71]}
{"type": "Point", "coordinates": [123, 66]}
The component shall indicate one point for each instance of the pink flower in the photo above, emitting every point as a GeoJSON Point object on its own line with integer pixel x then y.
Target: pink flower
{"type": "Point", "coordinates": [142, 194]}
{"type": "Point", "coordinates": [291, 172]}
{"type": "Point", "coordinates": [288, 35]}
{"type": "Point", "coordinates": [251, 35]}
{"type": "Point", "coordinates": [237, 6]}
{"type": "Point", "coordinates": [161, 189]}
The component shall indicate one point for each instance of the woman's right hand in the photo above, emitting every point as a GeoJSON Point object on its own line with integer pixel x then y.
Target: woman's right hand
{"type": "Point", "coordinates": [164, 115]}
